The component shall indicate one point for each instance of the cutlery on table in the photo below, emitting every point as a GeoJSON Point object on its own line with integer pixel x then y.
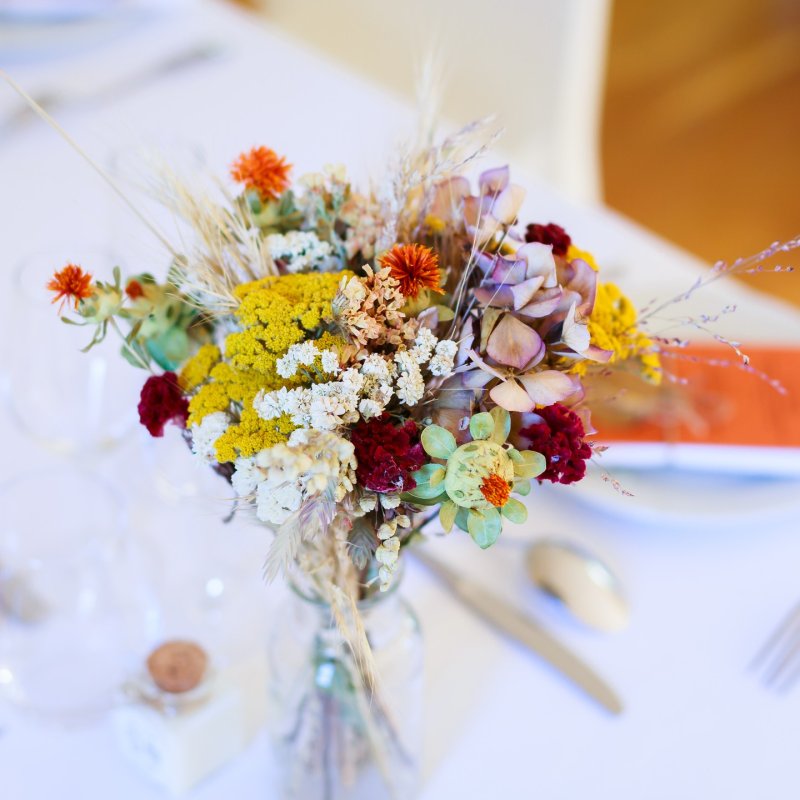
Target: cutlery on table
{"type": "Point", "coordinates": [54, 98]}
{"type": "Point", "coordinates": [780, 656]}
{"type": "Point", "coordinates": [513, 623]}
{"type": "Point", "coordinates": [581, 581]}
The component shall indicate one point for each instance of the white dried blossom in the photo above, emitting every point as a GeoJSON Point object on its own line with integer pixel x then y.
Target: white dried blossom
{"type": "Point", "coordinates": [368, 502]}
{"type": "Point", "coordinates": [297, 355]}
{"type": "Point", "coordinates": [302, 251]}
{"type": "Point", "coordinates": [390, 500]}
{"type": "Point", "coordinates": [246, 477]}
{"type": "Point", "coordinates": [388, 556]}
{"type": "Point", "coordinates": [330, 362]}
{"type": "Point", "coordinates": [424, 342]}
{"type": "Point", "coordinates": [284, 476]}
{"type": "Point", "coordinates": [403, 521]}
{"type": "Point", "coordinates": [370, 408]}
{"type": "Point", "coordinates": [275, 504]}
{"type": "Point", "coordinates": [205, 435]}
{"type": "Point", "coordinates": [387, 529]}
{"type": "Point", "coordinates": [442, 362]}
{"type": "Point", "coordinates": [409, 386]}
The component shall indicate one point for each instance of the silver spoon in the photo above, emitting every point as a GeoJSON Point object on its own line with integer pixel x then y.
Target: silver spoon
{"type": "Point", "coordinates": [583, 583]}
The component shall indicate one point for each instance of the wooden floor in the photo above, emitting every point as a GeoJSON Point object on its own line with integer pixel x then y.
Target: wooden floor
{"type": "Point", "coordinates": [701, 137]}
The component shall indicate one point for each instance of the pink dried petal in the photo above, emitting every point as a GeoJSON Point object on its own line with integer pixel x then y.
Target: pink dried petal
{"type": "Point", "coordinates": [511, 396]}
{"type": "Point", "coordinates": [508, 203]}
{"type": "Point", "coordinates": [494, 180]}
{"type": "Point", "coordinates": [515, 344]}
{"type": "Point", "coordinates": [549, 386]}
{"type": "Point", "coordinates": [524, 292]}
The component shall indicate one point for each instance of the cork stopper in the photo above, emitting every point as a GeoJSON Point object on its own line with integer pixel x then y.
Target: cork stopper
{"type": "Point", "coordinates": [177, 666]}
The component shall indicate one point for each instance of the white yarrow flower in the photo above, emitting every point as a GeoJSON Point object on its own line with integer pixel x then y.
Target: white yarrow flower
{"type": "Point", "coordinates": [205, 435]}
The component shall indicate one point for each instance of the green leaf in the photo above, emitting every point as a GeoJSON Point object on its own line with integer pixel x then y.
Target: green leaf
{"type": "Point", "coordinates": [424, 491]}
{"type": "Point", "coordinates": [522, 486]}
{"type": "Point", "coordinates": [481, 426]}
{"type": "Point", "coordinates": [437, 476]}
{"type": "Point", "coordinates": [462, 516]}
{"type": "Point", "coordinates": [502, 425]}
{"type": "Point", "coordinates": [514, 511]}
{"type": "Point", "coordinates": [532, 464]}
{"type": "Point", "coordinates": [415, 500]}
{"type": "Point", "coordinates": [484, 526]}
{"type": "Point", "coordinates": [445, 314]}
{"type": "Point", "coordinates": [447, 515]}
{"type": "Point", "coordinates": [438, 442]}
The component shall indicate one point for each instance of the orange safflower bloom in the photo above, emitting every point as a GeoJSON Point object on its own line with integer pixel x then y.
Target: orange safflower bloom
{"type": "Point", "coordinates": [262, 170]}
{"type": "Point", "coordinates": [415, 266]}
{"type": "Point", "coordinates": [495, 489]}
{"type": "Point", "coordinates": [134, 290]}
{"type": "Point", "coordinates": [71, 283]}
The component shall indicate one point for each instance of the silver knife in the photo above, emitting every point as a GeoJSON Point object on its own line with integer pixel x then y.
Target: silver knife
{"type": "Point", "coordinates": [524, 629]}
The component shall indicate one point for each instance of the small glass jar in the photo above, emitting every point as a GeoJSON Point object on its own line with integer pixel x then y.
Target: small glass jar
{"type": "Point", "coordinates": [335, 737]}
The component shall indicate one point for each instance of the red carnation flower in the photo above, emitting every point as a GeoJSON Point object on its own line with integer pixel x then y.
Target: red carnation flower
{"type": "Point", "coordinates": [162, 401]}
{"type": "Point", "coordinates": [387, 454]}
{"type": "Point", "coordinates": [559, 438]}
{"type": "Point", "coordinates": [549, 234]}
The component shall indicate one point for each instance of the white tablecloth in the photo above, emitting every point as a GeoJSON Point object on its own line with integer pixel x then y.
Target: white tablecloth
{"type": "Point", "coordinates": [500, 723]}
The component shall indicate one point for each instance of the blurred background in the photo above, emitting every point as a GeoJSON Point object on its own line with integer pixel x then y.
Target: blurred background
{"type": "Point", "coordinates": [684, 115]}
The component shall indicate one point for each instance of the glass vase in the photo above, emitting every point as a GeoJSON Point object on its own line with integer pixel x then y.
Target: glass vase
{"type": "Point", "coordinates": [339, 735]}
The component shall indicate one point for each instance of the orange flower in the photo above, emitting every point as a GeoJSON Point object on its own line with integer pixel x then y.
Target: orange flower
{"type": "Point", "coordinates": [72, 283]}
{"type": "Point", "coordinates": [262, 170]}
{"type": "Point", "coordinates": [495, 489]}
{"type": "Point", "coordinates": [134, 290]}
{"type": "Point", "coordinates": [415, 266]}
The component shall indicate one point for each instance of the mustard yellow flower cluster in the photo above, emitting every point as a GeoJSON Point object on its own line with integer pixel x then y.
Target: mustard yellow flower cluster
{"type": "Point", "coordinates": [275, 313]}
{"type": "Point", "coordinates": [199, 366]}
{"type": "Point", "coordinates": [612, 326]}
{"type": "Point", "coordinates": [575, 252]}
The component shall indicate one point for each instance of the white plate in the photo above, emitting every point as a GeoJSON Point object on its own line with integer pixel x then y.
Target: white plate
{"type": "Point", "coordinates": [681, 497]}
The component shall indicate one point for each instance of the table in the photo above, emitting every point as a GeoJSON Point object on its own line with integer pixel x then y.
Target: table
{"type": "Point", "coordinates": [499, 722]}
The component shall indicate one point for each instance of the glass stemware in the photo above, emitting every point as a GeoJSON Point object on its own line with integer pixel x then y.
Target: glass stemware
{"type": "Point", "coordinates": [72, 403]}
{"type": "Point", "coordinates": [73, 609]}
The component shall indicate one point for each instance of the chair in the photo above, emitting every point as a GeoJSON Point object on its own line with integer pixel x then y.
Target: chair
{"type": "Point", "coordinates": [537, 64]}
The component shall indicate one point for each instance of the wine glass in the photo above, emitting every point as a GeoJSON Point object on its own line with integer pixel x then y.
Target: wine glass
{"type": "Point", "coordinates": [74, 610]}
{"type": "Point", "coordinates": [70, 402]}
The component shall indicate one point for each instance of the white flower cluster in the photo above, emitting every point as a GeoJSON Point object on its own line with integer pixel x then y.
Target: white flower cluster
{"type": "Point", "coordinates": [304, 355]}
{"type": "Point", "coordinates": [358, 392]}
{"type": "Point", "coordinates": [285, 475]}
{"type": "Point", "coordinates": [302, 251]}
{"type": "Point", "coordinates": [205, 435]}
{"type": "Point", "coordinates": [388, 550]}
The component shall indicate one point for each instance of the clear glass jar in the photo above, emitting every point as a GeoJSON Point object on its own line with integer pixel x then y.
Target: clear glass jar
{"type": "Point", "coordinates": [334, 738]}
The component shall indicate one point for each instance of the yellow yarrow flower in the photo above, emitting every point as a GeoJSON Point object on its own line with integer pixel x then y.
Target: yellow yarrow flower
{"type": "Point", "coordinates": [584, 255]}
{"type": "Point", "coordinates": [251, 435]}
{"type": "Point", "coordinates": [275, 313]}
{"type": "Point", "coordinates": [612, 326]}
{"type": "Point", "coordinates": [198, 367]}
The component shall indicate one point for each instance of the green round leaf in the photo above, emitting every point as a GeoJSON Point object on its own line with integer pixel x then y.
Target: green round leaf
{"type": "Point", "coordinates": [481, 425]}
{"type": "Point", "coordinates": [522, 486]}
{"type": "Point", "coordinates": [532, 464]}
{"type": "Point", "coordinates": [438, 442]}
{"type": "Point", "coordinates": [447, 515]}
{"type": "Point", "coordinates": [462, 515]}
{"type": "Point", "coordinates": [484, 526]}
{"type": "Point", "coordinates": [514, 511]}
{"type": "Point", "coordinates": [502, 424]}
{"type": "Point", "coordinates": [437, 476]}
